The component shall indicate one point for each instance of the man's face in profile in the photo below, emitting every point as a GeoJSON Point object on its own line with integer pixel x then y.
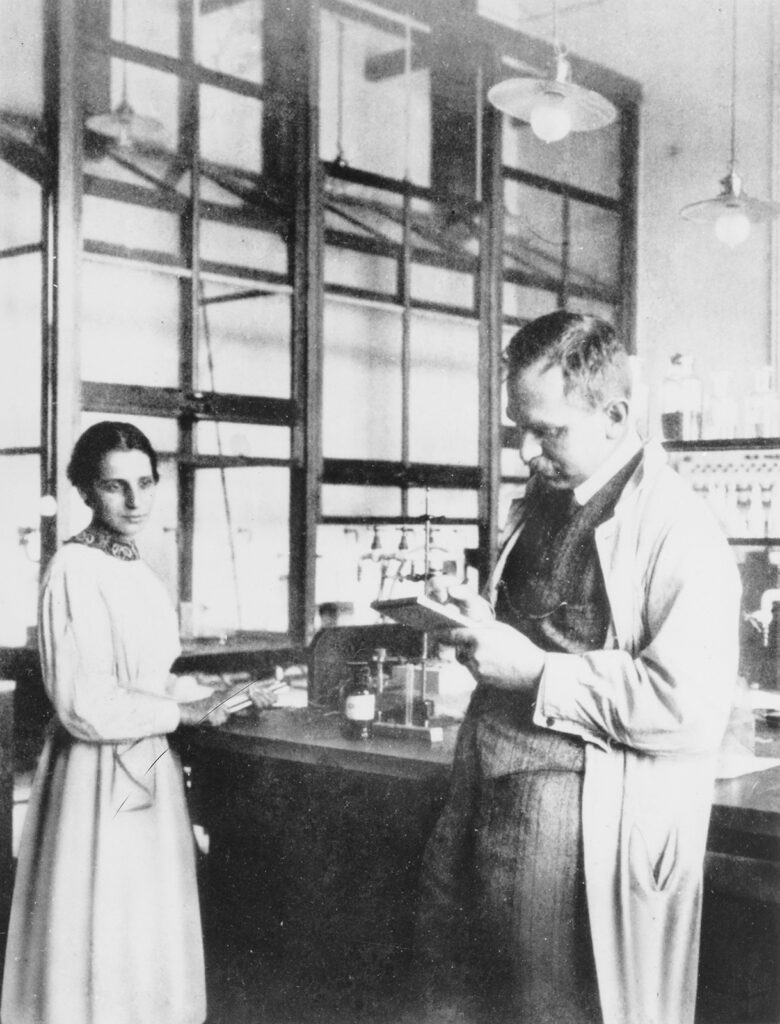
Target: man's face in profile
{"type": "Point", "coordinates": [561, 437]}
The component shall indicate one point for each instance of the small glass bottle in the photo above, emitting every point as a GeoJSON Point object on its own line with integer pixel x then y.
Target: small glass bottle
{"type": "Point", "coordinates": [762, 414]}
{"type": "Point", "coordinates": [681, 401]}
{"type": "Point", "coordinates": [359, 704]}
{"type": "Point", "coordinates": [720, 420]}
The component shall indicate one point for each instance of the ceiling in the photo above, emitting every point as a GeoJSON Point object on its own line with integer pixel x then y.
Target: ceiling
{"type": "Point", "coordinates": [534, 16]}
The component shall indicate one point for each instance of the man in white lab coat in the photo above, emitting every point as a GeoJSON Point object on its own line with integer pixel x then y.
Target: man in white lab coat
{"type": "Point", "coordinates": [563, 881]}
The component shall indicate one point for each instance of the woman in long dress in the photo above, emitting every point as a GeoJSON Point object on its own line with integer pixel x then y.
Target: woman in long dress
{"type": "Point", "coordinates": [105, 922]}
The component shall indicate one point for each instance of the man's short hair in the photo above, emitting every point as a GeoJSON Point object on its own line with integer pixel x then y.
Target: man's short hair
{"type": "Point", "coordinates": [594, 361]}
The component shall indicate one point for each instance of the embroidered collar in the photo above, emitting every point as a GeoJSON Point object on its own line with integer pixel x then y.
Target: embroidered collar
{"type": "Point", "coordinates": [103, 540]}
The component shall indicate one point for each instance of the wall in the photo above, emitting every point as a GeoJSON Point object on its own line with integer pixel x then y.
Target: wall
{"type": "Point", "coordinates": [694, 294]}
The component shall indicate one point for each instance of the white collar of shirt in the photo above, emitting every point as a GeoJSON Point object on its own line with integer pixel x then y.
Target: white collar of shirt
{"type": "Point", "coordinates": [624, 452]}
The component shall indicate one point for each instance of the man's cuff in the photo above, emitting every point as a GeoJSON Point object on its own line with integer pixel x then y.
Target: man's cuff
{"type": "Point", "coordinates": [553, 698]}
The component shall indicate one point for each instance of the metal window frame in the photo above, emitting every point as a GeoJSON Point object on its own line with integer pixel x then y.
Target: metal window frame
{"type": "Point", "coordinates": [57, 166]}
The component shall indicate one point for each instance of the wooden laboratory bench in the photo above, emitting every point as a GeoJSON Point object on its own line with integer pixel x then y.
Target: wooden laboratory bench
{"type": "Point", "coordinates": [316, 840]}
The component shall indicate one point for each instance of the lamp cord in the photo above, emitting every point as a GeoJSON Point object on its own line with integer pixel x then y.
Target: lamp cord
{"type": "Point", "coordinates": [340, 96]}
{"type": "Point", "coordinates": [560, 49]}
{"type": "Point", "coordinates": [124, 62]}
{"type": "Point", "coordinates": [556, 40]}
{"type": "Point", "coordinates": [407, 98]}
{"type": "Point", "coordinates": [733, 85]}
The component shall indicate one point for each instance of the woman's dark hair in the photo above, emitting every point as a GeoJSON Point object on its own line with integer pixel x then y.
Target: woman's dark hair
{"type": "Point", "coordinates": [100, 439]}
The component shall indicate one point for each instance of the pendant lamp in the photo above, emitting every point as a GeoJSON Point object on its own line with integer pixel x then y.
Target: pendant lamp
{"type": "Point", "coordinates": [732, 212]}
{"type": "Point", "coordinates": [553, 106]}
{"type": "Point", "coordinates": [123, 124]}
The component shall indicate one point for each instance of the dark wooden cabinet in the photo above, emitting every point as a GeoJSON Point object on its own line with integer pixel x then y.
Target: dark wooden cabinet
{"type": "Point", "coordinates": [315, 847]}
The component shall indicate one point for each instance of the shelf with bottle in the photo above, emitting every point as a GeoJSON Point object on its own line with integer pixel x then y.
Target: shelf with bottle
{"type": "Point", "coordinates": [692, 414]}
{"type": "Point", "coordinates": [740, 480]}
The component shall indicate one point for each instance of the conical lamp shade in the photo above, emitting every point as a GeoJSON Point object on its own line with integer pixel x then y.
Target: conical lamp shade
{"type": "Point", "coordinates": [125, 126]}
{"type": "Point", "coordinates": [709, 210]}
{"type": "Point", "coordinates": [522, 97]}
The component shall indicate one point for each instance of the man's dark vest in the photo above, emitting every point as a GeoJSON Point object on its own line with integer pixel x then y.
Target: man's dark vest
{"type": "Point", "coordinates": [553, 591]}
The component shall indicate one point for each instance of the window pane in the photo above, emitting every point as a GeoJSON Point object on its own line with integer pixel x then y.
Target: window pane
{"type": "Point", "coordinates": [370, 214]}
{"type": "Point", "coordinates": [511, 464]}
{"type": "Point", "coordinates": [533, 231]}
{"type": "Point", "coordinates": [241, 551]}
{"type": "Point", "coordinates": [373, 115]}
{"type": "Point", "coordinates": [357, 565]}
{"type": "Point", "coordinates": [21, 57]}
{"type": "Point", "coordinates": [230, 129]}
{"type": "Point", "coordinates": [144, 170]}
{"type": "Point", "coordinates": [443, 287]}
{"type": "Point", "coordinates": [360, 564]}
{"type": "Point", "coordinates": [19, 546]}
{"type": "Point", "coordinates": [230, 38]}
{"type": "Point", "coordinates": [347, 575]}
{"type": "Point", "coordinates": [361, 382]}
{"type": "Point", "coordinates": [524, 303]}
{"type": "Point", "coordinates": [589, 160]}
{"type": "Point", "coordinates": [594, 254]}
{"type": "Point", "coordinates": [444, 392]}
{"type": "Point", "coordinates": [20, 223]}
{"type": "Point", "coordinates": [130, 225]}
{"type": "Point", "coordinates": [20, 349]}
{"type": "Point", "coordinates": [246, 439]}
{"type": "Point", "coordinates": [446, 551]}
{"type": "Point", "coordinates": [352, 269]}
{"type": "Point", "coordinates": [150, 24]}
{"type": "Point", "coordinates": [244, 341]}
{"type": "Point", "coordinates": [130, 326]}
{"type": "Point", "coordinates": [242, 246]}
{"type": "Point", "coordinates": [347, 500]}
{"type": "Point", "coordinates": [443, 501]}
{"type": "Point", "coordinates": [445, 227]}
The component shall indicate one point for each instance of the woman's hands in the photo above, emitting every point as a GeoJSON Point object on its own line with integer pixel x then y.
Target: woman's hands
{"type": "Point", "coordinates": [208, 711]}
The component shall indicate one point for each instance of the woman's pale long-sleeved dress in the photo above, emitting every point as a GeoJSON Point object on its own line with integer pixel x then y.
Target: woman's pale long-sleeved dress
{"type": "Point", "coordinates": [105, 923]}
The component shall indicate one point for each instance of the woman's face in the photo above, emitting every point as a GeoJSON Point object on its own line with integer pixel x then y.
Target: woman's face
{"type": "Point", "coordinates": [122, 494]}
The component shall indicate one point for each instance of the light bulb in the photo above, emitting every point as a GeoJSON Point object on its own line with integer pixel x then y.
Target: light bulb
{"type": "Point", "coordinates": [550, 117]}
{"type": "Point", "coordinates": [47, 506]}
{"type": "Point", "coordinates": [732, 226]}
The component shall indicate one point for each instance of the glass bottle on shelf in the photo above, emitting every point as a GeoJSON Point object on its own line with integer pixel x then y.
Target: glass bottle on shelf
{"type": "Point", "coordinates": [720, 414]}
{"type": "Point", "coordinates": [681, 401]}
{"type": "Point", "coordinates": [762, 408]}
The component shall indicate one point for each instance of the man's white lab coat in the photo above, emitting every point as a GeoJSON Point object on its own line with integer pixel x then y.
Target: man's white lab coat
{"type": "Point", "coordinates": [652, 707]}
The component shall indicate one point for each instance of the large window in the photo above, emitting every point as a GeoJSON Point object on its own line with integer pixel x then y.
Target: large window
{"type": "Point", "coordinates": [186, 296]}
{"type": "Point", "coordinates": [23, 309]}
{"type": "Point", "coordinates": [401, 339]}
{"type": "Point", "coordinates": [289, 241]}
